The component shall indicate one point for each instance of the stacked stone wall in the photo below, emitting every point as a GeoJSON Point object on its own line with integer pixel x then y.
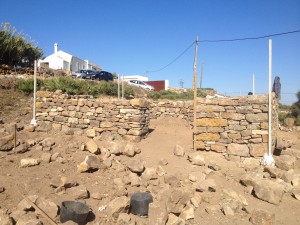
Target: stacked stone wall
{"type": "Point", "coordinates": [129, 118]}
{"type": "Point", "coordinates": [236, 126]}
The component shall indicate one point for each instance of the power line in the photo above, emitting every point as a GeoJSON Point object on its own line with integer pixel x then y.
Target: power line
{"type": "Point", "coordinates": [222, 40]}
{"type": "Point", "coordinates": [174, 60]}
{"type": "Point", "coordinates": [252, 38]}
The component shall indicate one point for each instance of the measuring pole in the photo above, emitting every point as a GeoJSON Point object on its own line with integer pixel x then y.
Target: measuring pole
{"type": "Point", "coordinates": [195, 93]}
{"type": "Point", "coordinates": [33, 121]}
{"type": "Point", "coordinates": [118, 86]}
{"type": "Point", "coordinates": [122, 85]}
{"type": "Point", "coordinates": [268, 158]}
{"type": "Point", "coordinates": [253, 84]}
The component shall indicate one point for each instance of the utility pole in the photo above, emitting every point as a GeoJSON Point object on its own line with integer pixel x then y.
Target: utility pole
{"type": "Point", "coordinates": [195, 93]}
{"type": "Point", "coordinates": [201, 75]}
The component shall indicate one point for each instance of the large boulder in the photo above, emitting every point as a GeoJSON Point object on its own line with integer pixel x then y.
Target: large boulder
{"type": "Point", "coordinates": [269, 191]}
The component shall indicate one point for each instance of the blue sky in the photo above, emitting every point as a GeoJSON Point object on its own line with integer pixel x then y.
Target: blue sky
{"type": "Point", "coordinates": [132, 36]}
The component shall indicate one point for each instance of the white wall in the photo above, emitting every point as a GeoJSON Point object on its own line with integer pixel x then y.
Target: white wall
{"type": "Point", "coordinates": [77, 64]}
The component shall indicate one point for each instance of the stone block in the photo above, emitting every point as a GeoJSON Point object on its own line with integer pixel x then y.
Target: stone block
{"type": "Point", "coordinates": [238, 149]}
{"type": "Point", "coordinates": [255, 118]}
{"type": "Point", "coordinates": [211, 122]}
{"type": "Point", "coordinates": [208, 137]}
{"type": "Point", "coordinates": [258, 150]}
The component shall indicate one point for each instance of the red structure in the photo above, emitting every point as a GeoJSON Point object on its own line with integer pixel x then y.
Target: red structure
{"type": "Point", "coordinates": [158, 84]}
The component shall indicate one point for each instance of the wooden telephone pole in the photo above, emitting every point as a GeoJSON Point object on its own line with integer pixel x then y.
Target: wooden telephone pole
{"type": "Point", "coordinates": [195, 94]}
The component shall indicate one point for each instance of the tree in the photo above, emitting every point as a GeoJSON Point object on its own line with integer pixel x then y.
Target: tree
{"type": "Point", "coordinates": [15, 49]}
{"type": "Point", "coordinates": [296, 106]}
{"type": "Point", "coordinates": [181, 82]}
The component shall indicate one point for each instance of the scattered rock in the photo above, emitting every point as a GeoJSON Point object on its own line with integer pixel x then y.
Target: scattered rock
{"type": "Point", "coordinates": [232, 194]}
{"type": "Point", "coordinates": [123, 218]}
{"type": "Point", "coordinates": [212, 209]}
{"type": "Point", "coordinates": [22, 148]}
{"type": "Point", "coordinates": [91, 133]}
{"type": "Point", "coordinates": [269, 191]}
{"type": "Point", "coordinates": [285, 162]}
{"type": "Point", "coordinates": [296, 180]}
{"type": "Point", "coordinates": [29, 219]}
{"type": "Point", "coordinates": [206, 185]}
{"type": "Point", "coordinates": [179, 151]}
{"type": "Point", "coordinates": [24, 205]}
{"type": "Point", "coordinates": [136, 165]}
{"type": "Point", "coordinates": [174, 220]}
{"type": "Point", "coordinates": [172, 180]}
{"type": "Point", "coordinates": [296, 193]}
{"type": "Point", "coordinates": [46, 157]}
{"type": "Point", "coordinates": [79, 192]}
{"type": "Point", "coordinates": [196, 199]}
{"type": "Point", "coordinates": [131, 149]}
{"type": "Point", "coordinates": [176, 199]}
{"type": "Point", "coordinates": [250, 178]}
{"type": "Point", "coordinates": [274, 171]}
{"type": "Point", "coordinates": [149, 174]}
{"type": "Point", "coordinates": [197, 176]}
{"type": "Point", "coordinates": [6, 142]}
{"type": "Point", "coordinates": [5, 219]}
{"type": "Point", "coordinates": [261, 217]}
{"type": "Point", "coordinates": [187, 213]}
{"type": "Point", "coordinates": [90, 162]}
{"type": "Point", "coordinates": [163, 162]}
{"type": "Point", "coordinates": [50, 208]}
{"type": "Point", "coordinates": [118, 205]}
{"type": "Point", "coordinates": [2, 189]}
{"type": "Point", "coordinates": [29, 162]}
{"type": "Point", "coordinates": [92, 147]}
{"type": "Point", "coordinates": [160, 171]}
{"type": "Point", "coordinates": [158, 213]}
{"type": "Point", "coordinates": [196, 158]}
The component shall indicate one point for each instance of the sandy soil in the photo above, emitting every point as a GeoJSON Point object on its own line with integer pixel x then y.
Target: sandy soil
{"type": "Point", "coordinates": [165, 134]}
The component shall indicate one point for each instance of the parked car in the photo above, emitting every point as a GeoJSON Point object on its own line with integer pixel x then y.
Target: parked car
{"type": "Point", "coordinates": [141, 84]}
{"type": "Point", "coordinates": [102, 75]}
{"type": "Point", "coordinates": [84, 74]}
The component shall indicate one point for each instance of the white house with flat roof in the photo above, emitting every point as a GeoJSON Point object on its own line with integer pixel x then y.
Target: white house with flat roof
{"type": "Point", "coordinates": [61, 60]}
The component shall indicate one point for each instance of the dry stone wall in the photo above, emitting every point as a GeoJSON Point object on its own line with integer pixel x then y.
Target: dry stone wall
{"type": "Point", "coordinates": [128, 118]}
{"type": "Point", "coordinates": [235, 126]}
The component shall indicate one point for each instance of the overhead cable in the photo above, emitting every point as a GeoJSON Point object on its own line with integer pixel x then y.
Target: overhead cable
{"type": "Point", "coordinates": [191, 45]}
{"type": "Point", "coordinates": [222, 40]}
{"type": "Point", "coordinates": [251, 38]}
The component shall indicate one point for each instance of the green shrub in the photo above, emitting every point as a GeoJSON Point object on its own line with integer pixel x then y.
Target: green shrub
{"type": "Point", "coordinates": [297, 121]}
{"type": "Point", "coordinates": [282, 116]}
{"type": "Point", "coordinates": [26, 85]}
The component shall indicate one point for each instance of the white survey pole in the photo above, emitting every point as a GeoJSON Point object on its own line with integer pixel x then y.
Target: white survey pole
{"type": "Point", "coordinates": [268, 158]}
{"type": "Point", "coordinates": [122, 85]}
{"type": "Point", "coordinates": [33, 121]}
{"type": "Point", "coordinates": [118, 86]}
{"type": "Point", "coordinates": [253, 84]}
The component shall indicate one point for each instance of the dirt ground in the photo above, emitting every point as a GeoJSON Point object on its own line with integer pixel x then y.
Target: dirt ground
{"type": "Point", "coordinates": [165, 134]}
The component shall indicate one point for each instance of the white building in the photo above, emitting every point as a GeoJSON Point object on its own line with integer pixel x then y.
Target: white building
{"type": "Point", "coordinates": [136, 77]}
{"type": "Point", "coordinates": [61, 60]}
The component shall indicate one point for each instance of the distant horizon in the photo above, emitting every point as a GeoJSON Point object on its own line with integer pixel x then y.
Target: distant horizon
{"type": "Point", "coordinates": [133, 37]}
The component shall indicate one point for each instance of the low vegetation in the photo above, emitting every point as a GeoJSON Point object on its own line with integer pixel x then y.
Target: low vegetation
{"type": "Point", "coordinates": [188, 95]}
{"type": "Point", "coordinates": [72, 86]}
